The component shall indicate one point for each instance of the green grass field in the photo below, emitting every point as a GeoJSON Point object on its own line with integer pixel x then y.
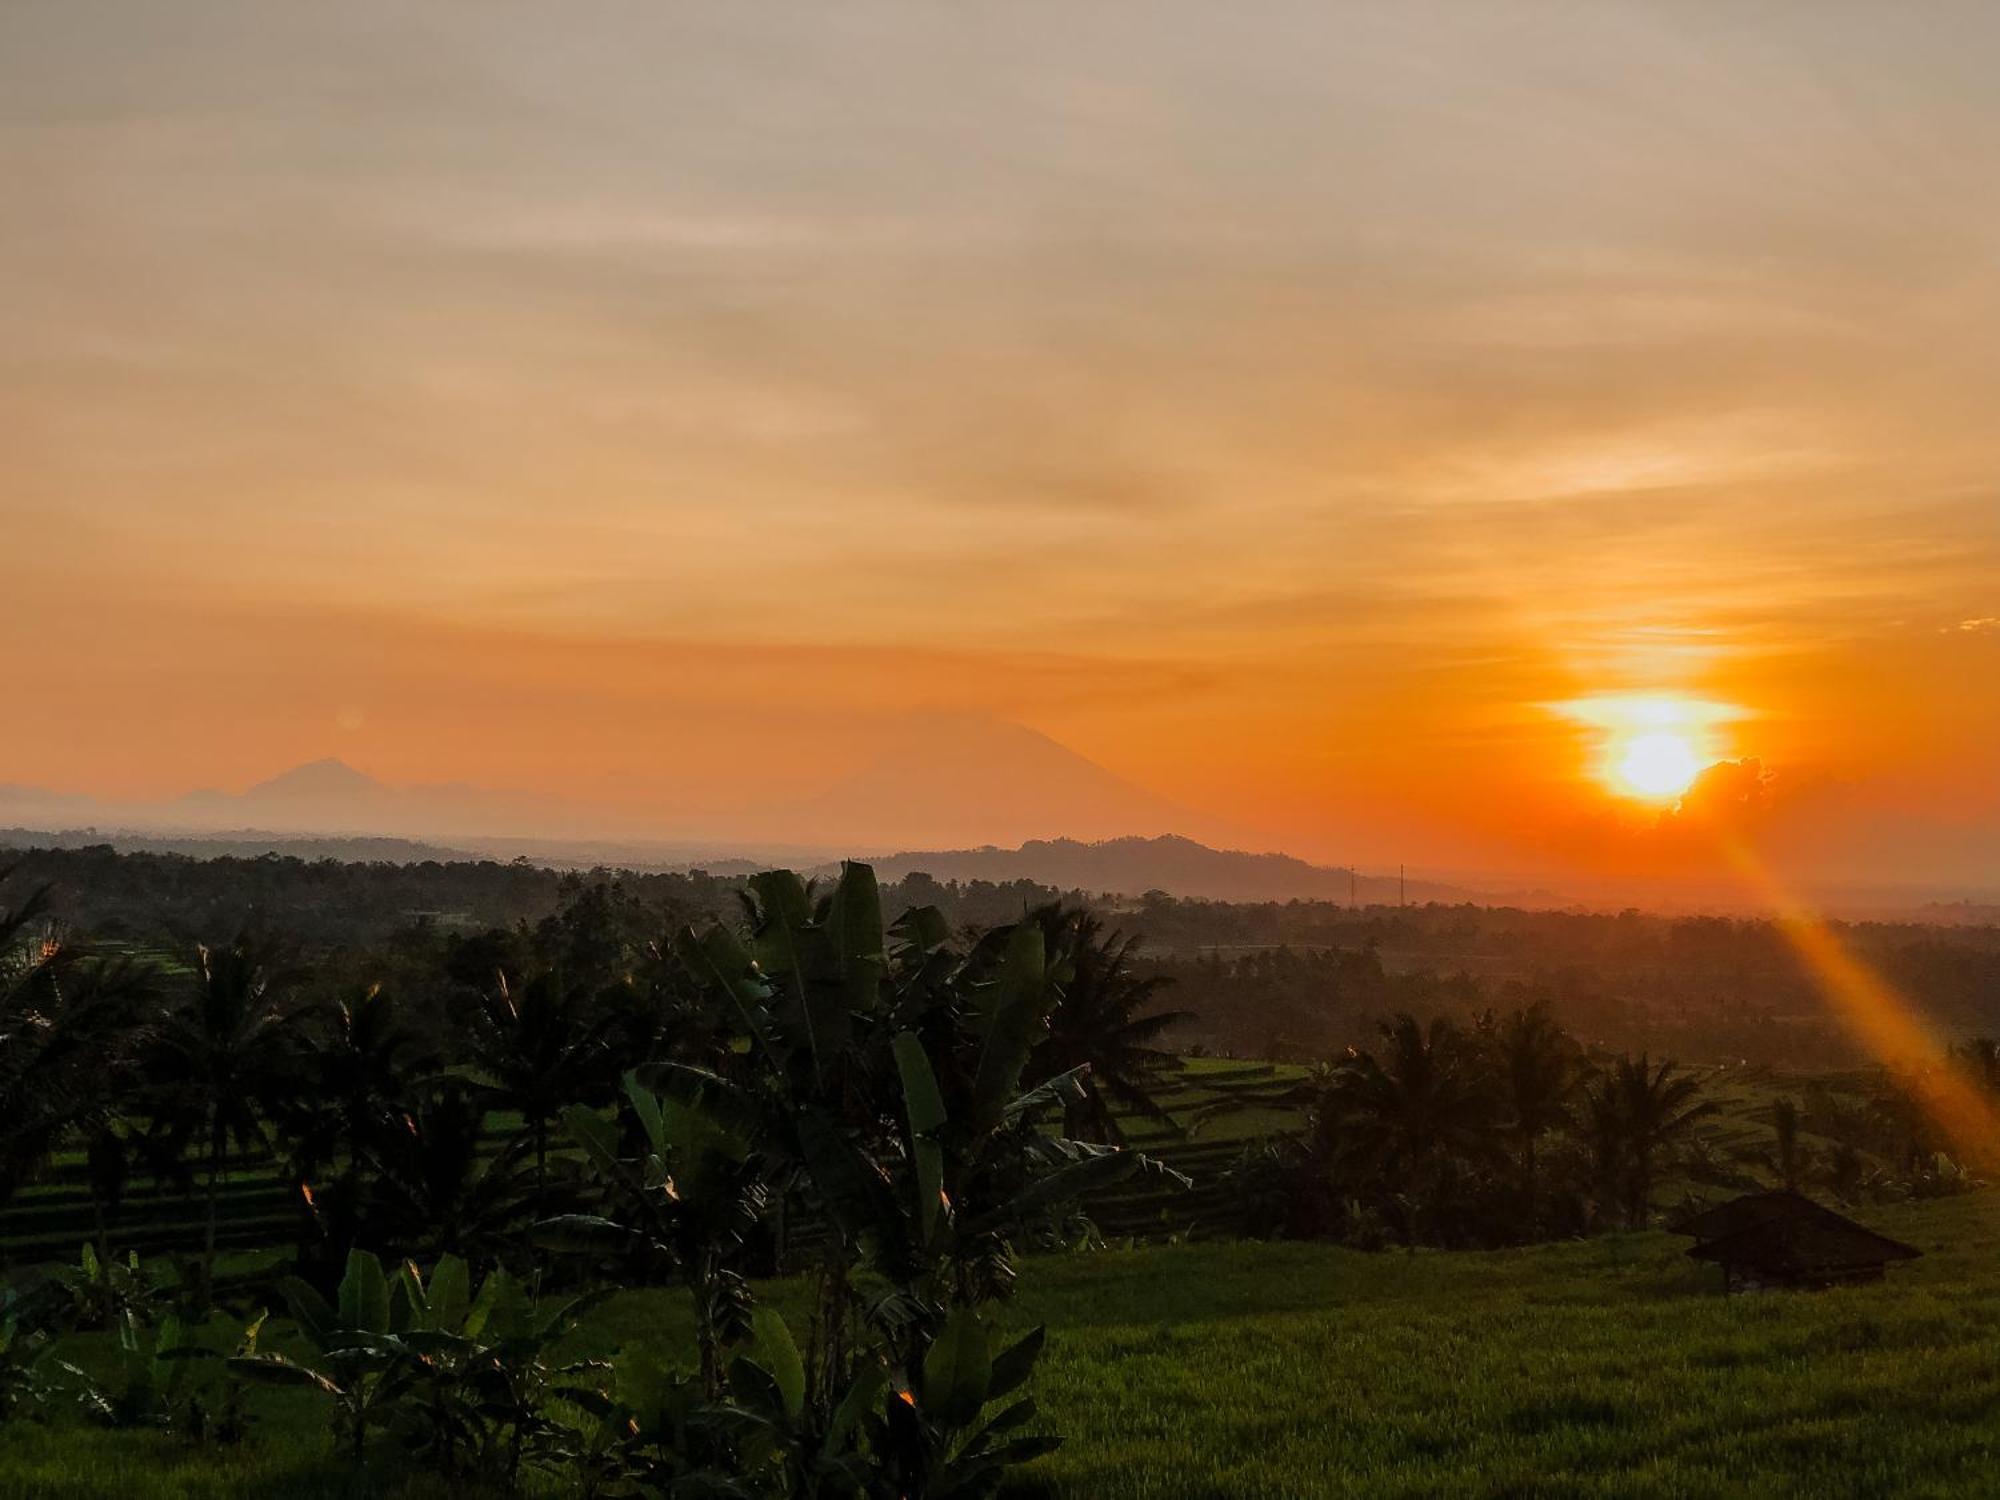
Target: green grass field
{"type": "Point", "coordinates": [1611, 1368]}
{"type": "Point", "coordinates": [1608, 1368]}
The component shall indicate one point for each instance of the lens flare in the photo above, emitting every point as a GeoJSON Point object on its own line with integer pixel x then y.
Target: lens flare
{"type": "Point", "coordinates": [1877, 1016]}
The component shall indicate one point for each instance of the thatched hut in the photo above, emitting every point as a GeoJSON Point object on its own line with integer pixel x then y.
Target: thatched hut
{"type": "Point", "coordinates": [1783, 1239]}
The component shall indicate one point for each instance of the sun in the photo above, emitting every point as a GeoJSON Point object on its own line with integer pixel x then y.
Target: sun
{"type": "Point", "coordinates": [1657, 764]}
{"type": "Point", "coordinates": [1651, 746]}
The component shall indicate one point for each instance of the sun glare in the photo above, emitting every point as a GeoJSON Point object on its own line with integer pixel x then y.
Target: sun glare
{"type": "Point", "coordinates": [1659, 764]}
{"type": "Point", "coordinates": [1651, 747]}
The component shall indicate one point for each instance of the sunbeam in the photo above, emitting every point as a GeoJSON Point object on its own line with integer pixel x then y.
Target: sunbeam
{"type": "Point", "coordinates": [1883, 1021]}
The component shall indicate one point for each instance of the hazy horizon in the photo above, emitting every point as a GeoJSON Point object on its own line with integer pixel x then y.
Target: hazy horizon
{"type": "Point", "coordinates": [324, 802]}
{"type": "Point", "coordinates": [1349, 429]}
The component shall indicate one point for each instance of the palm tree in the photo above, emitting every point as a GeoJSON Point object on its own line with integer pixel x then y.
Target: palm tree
{"type": "Point", "coordinates": [1103, 1022]}
{"type": "Point", "coordinates": [219, 1061]}
{"type": "Point", "coordinates": [67, 1027]}
{"type": "Point", "coordinates": [361, 1065]}
{"type": "Point", "coordinates": [1538, 1067]}
{"type": "Point", "coordinates": [1636, 1112]}
{"type": "Point", "coordinates": [541, 1048]}
{"type": "Point", "coordinates": [433, 1193]}
{"type": "Point", "coordinates": [1422, 1099]}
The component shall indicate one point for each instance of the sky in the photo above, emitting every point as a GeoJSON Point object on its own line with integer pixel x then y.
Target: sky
{"type": "Point", "coordinates": [1297, 410]}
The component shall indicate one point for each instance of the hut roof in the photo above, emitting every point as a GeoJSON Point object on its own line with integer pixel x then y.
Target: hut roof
{"type": "Point", "coordinates": [1804, 1245]}
{"type": "Point", "coordinates": [1752, 1209]}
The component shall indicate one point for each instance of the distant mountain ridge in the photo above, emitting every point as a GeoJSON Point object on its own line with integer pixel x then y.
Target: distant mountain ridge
{"type": "Point", "coordinates": [937, 780]}
{"type": "Point", "coordinates": [967, 779]}
{"type": "Point", "coordinates": [1180, 866]}
{"type": "Point", "coordinates": [242, 843]}
{"type": "Point", "coordinates": [330, 796]}
{"type": "Point", "coordinates": [1125, 866]}
{"type": "Point", "coordinates": [1026, 806]}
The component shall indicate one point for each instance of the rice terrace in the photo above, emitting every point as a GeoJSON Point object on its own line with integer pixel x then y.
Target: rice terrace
{"type": "Point", "coordinates": [1124, 750]}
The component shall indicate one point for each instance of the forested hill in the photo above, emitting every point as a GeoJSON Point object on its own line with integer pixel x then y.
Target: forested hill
{"type": "Point", "coordinates": [1180, 866]}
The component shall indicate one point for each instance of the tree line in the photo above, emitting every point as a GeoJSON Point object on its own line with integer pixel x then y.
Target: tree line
{"type": "Point", "coordinates": [1301, 1004]}
{"type": "Point", "coordinates": [1508, 1131]}
{"type": "Point", "coordinates": [1298, 979]}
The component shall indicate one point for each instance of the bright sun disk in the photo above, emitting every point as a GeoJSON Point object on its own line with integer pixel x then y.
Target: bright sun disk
{"type": "Point", "coordinates": [1657, 764]}
{"type": "Point", "coordinates": [1652, 746]}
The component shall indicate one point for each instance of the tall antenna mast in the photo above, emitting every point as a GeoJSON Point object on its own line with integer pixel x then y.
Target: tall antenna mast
{"type": "Point", "coordinates": [1402, 886]}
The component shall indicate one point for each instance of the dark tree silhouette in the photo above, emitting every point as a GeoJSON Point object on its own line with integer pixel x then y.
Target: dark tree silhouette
{"type": "Point", "coordinates": [1539, 1070]}
{"type": "Point", "coordinates": [432, 1192]}
{"type": "Point", "coordinates": [1789, 1155]}
{"type": "Point", "coordinates": [360, 1064]}
{"type": "Point", "coordinates": [65, 1036]}
{"type": "Point", "coordinates": [1636, 1112]}
{"type": "Point", "coordinates": [1423, 1098]}
{"type": "Point", "coordinates": [1104, 1022]}
{"type": "Point", "coordinates": [538, 1047]}
{"type": "Point", "coordinates": [220, 1060]}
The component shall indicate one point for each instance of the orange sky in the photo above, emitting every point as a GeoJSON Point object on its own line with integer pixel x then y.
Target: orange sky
{"type": "Point", "coordinates": [658, 405]}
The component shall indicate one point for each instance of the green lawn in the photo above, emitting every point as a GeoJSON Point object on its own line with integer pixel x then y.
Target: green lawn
{"type": "Point", "coordinates": [1607, 1368]}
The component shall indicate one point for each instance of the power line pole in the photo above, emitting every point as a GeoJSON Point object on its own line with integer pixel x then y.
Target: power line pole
{"type": "Point", "coordinates": [1402, 886]}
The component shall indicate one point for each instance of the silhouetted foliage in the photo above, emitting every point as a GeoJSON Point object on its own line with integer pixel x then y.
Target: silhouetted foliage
{"type": "Point", "coordinates": [533, 1080]}
{"type": "Point", "coordinates": [1105, 1025]}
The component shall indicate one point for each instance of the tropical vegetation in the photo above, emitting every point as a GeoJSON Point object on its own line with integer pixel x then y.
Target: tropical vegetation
{"type": "Point", "coordinates": [835, 1140]}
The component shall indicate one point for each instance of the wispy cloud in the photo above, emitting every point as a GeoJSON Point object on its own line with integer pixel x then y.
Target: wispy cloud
{"type": "Point", "coordinates": [1341, 379]}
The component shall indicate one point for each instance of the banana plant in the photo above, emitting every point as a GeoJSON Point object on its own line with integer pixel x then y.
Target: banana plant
{"type": "Point", "coordinates": [461, 1377]}
{"type": "Point", "coordinates": [358, 1358]}
{"type": "Point", "coordinates": [882, 1072]}
{"type": "Point", "coordinates": [103, 1290]}
{"type": "Point", "coordinates": [937, 1435]}
{"type": "Point", "coordinates": [23, 1350]}
{"type": "Point", "coordinates": [974, 1185]}
{"type": "Point", "coordinates": [876, 1073]}
{"type": "Point", "coordinates": [843, 1036]}
{"type": "Point", "coordinates": [657, 1433]}
{"type": "Point", "coordinates": [685, 1202]}
{"type": "Point", "coordinates": [476, 1392]}
{"type": "Point", "coordinates": [154, 1385]}
{"type": "Point", "coordinates": [812, 1453]}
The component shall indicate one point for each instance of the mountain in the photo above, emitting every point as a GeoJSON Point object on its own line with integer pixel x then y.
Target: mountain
{"type": "Point", "coordinates": [934, 781]}
{"type": "Point", "coordinates": [952, 779]}
{"type": "Point", "coordinates": [316, 778]}
{"type": "Point", "coordinates": [321, 797]}
{"type": "Point", "coordinates": [1180, 866]}
{"type": "Point", "coordinates": [32, 807]}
